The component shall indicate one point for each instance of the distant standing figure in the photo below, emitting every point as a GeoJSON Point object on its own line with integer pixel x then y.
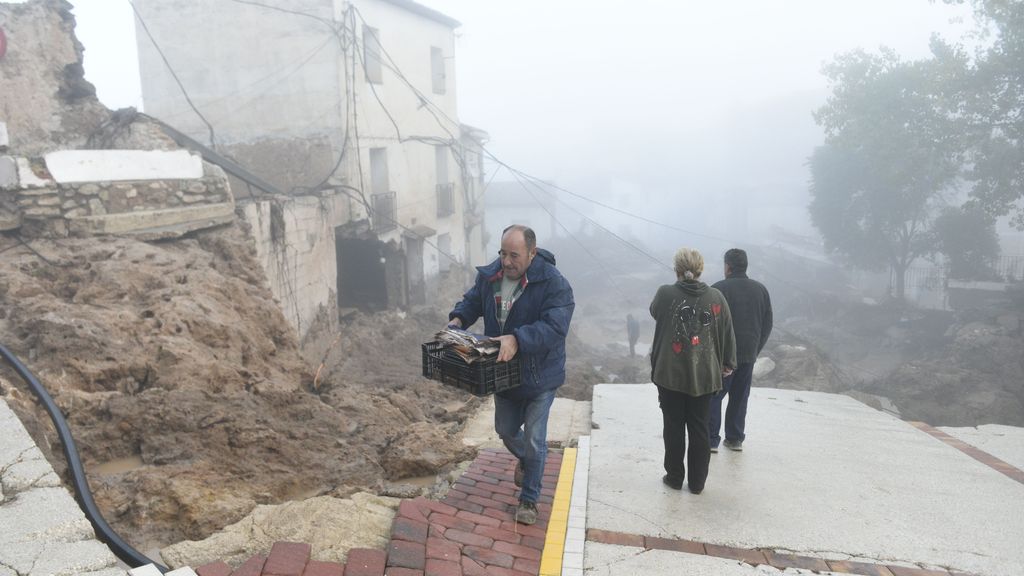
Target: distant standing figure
{"type": "Point", "coordinates": [752, 322]}
{"type": "Point", "coordinates": [633, 331]}
{"type": "Point", "coordinates": [693, 348]}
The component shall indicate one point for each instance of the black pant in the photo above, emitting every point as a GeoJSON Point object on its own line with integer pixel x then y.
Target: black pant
{"type": "Point", "coordinates": [682, 413]}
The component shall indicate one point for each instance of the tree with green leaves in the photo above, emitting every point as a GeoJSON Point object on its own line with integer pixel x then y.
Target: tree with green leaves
{"type": "Point", "coordinates": [967, 237]}
{"type": "Point", "coordinates": [889, 162]}
{"type": "Point", "coordinates": [983, 89]}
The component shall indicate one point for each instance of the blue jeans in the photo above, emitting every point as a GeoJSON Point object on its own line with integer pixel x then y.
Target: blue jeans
{"type": "Point", "coordinates": [523, 427]}
{"type": "Point", "coordinates": [737, 386]}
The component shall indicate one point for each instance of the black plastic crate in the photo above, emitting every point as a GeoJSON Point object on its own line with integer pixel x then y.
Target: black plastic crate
{"type": "Point", "coordinates": [480, 378]}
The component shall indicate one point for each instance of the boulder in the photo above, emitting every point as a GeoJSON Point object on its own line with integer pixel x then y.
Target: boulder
{"type": "Point", "coordinates": [332, 526]}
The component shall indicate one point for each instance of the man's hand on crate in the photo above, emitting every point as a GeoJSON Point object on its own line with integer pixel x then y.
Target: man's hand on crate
{"type": "Point", "coordinates": [456, 322]}
{"type": "Point", "coordinates": [509, 347]}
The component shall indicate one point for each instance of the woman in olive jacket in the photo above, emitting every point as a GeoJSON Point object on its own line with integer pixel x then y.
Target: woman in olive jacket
{"type": "Point", "coordinates": [693, 348]}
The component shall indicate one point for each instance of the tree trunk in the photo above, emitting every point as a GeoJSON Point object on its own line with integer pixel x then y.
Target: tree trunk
{"type": "Point", "coordinates": [900, 273]}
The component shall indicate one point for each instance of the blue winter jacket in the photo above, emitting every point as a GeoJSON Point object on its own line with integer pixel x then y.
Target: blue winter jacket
{"type": "Point", "coordinates": [539, 319]}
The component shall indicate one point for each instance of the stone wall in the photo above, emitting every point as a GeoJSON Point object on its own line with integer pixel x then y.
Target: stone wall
{"type": "Point", "coordinates": [294, 239]}
{"type": "Point", "coordinates": [44, 98]}
{"type": "Point", "coordinates": [44, 206]}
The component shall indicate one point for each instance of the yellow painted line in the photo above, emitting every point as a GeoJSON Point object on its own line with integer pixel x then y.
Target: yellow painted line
{"type": "Point", "coordinates": [554, 538]}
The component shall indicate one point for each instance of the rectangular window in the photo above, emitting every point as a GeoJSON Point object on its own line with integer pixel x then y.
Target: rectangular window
{"type": "Point", "coordinates": [445, 189]}
{"type": "Point", "coordinates": [372, 55]}
{"type": "Point", "coordinates": [441, 163]}
{"type": "Point", "coordinates": [444, 253]}
{"type": "Point", "coordinates": [379, 171]}
{"type": "Point", "coordinates": [445, 199]}
{"type": "Point", "coordinates": [439, 78]}
{"type": "Point", "coordinates": [385, 212]}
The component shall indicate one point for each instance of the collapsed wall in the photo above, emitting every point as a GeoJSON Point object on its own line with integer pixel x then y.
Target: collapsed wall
{"type": "Point", "coordinates": [46, 103]}
{"type": "Point", "coordinates": [130, 287]}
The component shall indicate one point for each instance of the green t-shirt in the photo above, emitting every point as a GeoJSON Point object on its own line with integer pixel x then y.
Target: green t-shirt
{"type": "Point", "coordinates": [508, 289]}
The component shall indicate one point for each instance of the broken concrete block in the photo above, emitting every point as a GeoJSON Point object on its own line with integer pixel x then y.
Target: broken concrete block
{"type": "Point", "coordinates": [27, 177]}
{"type": "Point", "coordinates": [68, 166]}
{"type": "Point", "coordinates": [8, 172]}
{"type": "Point", "coordinates": [147, 570]}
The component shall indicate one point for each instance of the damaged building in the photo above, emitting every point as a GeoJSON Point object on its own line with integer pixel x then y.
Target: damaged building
{"type": "Point", "coordinates": [359, 183]}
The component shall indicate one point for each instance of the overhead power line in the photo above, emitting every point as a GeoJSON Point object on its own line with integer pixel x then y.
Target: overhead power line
{"type": "Point", "coordinates": [213, 143]}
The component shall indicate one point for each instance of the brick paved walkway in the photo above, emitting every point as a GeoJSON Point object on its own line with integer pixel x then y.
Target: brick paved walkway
{"type": "Point", "coordinates": [471, 532]}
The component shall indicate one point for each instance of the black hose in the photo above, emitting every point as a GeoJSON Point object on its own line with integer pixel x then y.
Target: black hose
{"type": "Point", "coordinates": [83, 494]}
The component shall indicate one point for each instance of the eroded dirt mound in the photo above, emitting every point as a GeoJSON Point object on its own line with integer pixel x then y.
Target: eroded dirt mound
{"type": "Point", "coordinates": [977, 379]}
{"type": "Point", "coordinates": [174, 357]}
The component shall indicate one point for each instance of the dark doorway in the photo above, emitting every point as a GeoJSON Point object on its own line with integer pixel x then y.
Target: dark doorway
{"type": "Point", "coordinates": [362, 280]}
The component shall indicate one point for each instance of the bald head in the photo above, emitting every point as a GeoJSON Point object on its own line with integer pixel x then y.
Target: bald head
{"type": "Point", "coordinates": [518, 248]}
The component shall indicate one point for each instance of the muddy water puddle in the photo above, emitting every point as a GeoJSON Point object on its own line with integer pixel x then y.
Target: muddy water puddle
{"type": "Point", "coordinates": [421, 481]}
{"type": "Point", "coordinates": [118, 465]}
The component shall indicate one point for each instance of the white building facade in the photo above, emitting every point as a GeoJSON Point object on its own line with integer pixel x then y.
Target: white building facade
{"type": "Point", "coordinates": [349, 102]}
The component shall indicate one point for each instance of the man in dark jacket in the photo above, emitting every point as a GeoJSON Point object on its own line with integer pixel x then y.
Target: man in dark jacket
{"type": "Point", "coordinates": [752, 323]}
{"type": "Point", "coordinates": [526, 305]}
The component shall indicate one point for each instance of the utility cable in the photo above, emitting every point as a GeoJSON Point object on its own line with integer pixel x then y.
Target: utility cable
{"type": "Point", "coordinates": [366, 74]}
{"type": "Point", "coordinates": [607, 274]}
{"type": "Point", "coordinates": [329, 23]}
{"type": "Point", "coordinates": [348, 190]}
{"type": "Point", "coordinates": [213, 141]}
{"type": "Point", "coordinates": [627, 243]}
{"type": "Point", "coordinates": [83, 493]}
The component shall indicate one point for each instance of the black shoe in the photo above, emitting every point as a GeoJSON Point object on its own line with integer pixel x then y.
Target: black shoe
{"type": "Point", "coordinates": [714, 449]}
{"type": "Point", "coordinates": [696, 490]}
{"type": "Point", "coordinates": [736, 445]}
{"type": "Point", "coordinates": [526, 513]}
{"type": "Point", "coordinates": [517, 476]}
{"type": "Point", "coordinates": [672, 482]}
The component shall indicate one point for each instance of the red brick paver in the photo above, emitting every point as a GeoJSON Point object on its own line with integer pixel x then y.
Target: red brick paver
{"type": "Point", "coordinates": [316, 568]}
{"type": "Point", "coordinates": [365, 562]}
{"type": "Point", "coordinates": [214, 569]}
{"type": "Point", "coordinates": [471, 532]}
{"type": "Point", "coordinates": [402, 554]}
{"type": "Point", "coordinates": [985, 458]}
{"type": "Point", "coordinates": [251, 567]}
{"type": "Point", "coordinates": [287, 559]}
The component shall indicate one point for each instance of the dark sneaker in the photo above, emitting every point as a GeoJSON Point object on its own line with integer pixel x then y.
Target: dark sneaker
{"type": "Point", "coordinates": [714, 449]}
{"type": "Point", "coordinates": [526, 513]}
{"type": "Point", "coordinates": [696, 490]}
{"type": "Point", "coordinates": [672, 482]}
{"type": "Point", "coordinates": [517, 476]}
{"type": "Point", "coordinates": [734, 445]}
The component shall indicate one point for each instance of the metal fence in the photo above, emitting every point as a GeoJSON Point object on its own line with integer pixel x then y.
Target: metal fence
{"type": "Point", "coordinates": [1010, 268]}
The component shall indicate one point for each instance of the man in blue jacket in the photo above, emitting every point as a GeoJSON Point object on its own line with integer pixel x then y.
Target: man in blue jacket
{"type": "Point", "coordinates": [526, 305]}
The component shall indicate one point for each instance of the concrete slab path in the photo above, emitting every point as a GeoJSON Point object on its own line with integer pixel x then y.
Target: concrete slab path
{"type": "Point", "coordinates": [821, 476]}
{"type": "Point", "coordinates": [43, 532]}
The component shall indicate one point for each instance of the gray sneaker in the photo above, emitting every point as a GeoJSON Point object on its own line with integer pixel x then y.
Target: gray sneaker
{"type": "Point", "coordinates": [517, 476]}
{"type": "Point", "coordinates": [734, 445]}
{"type": "Point", "coordinates": [526, 513]}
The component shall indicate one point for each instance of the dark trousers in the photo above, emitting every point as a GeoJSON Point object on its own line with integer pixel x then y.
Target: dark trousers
{"type": "Point", "coordinates": [684, 414]}
{"type": "Point", "coordinates": [737, 386]}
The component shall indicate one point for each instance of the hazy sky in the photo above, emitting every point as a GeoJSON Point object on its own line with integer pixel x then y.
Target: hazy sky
{"type": "Point", "coordinates": [644, 96]}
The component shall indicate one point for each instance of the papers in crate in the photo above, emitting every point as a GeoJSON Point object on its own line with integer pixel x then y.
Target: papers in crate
{"type": "Point", "coordinates": [469, 346]}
